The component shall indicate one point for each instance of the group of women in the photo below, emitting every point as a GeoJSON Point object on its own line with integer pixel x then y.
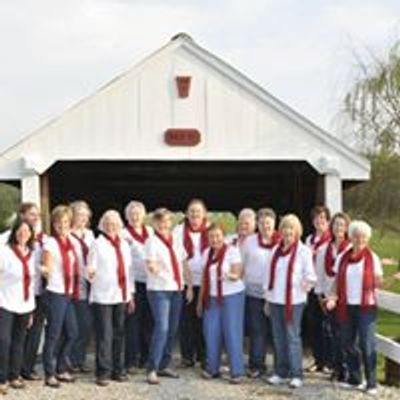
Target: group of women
{"type": "Point", "coordinates": [137, 286]}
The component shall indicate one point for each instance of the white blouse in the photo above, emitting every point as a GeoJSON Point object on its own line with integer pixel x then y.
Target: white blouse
{"type": "Point", "coordinates": [88, 238]}
{"type": "Point", "coordinates": [138, 256]}
{"type": "Point", "coordinates": [12, 282]}
{"type": "Point", "coordinates": [256, 266]}
{"type": "Point", "coordinates": [232, 256]}
{"type": "Point", "coordinates": [354, 279]}
{"type": "Point", "coordinates": [156, 251]}
{"type": "Point", "coordinates": [102, 258]}
{"type": "Point", "coordinates": [303, 271]}
{"type": "Point", "coordinates": [195, 263]}
{"type": "Point", "coordinates": [324, 281]}
{"type": "Point", "coordinates": [55, 282]}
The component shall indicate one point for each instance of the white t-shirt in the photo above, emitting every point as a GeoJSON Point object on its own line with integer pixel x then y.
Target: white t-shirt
{"type": "Point", "coordinates": [354, 279]}
{"type": "Point", "coordinates": [12, 282]}
{"type": "Point", "coordinates": [55, 282]}
{"type": "Point", "coordinates": [195, 263]}
{"type": "Point", "coordinates": [303, 271]}
{"type": "Point", "coordinates": [324, 281]}
{"type": "Point", "coordinates": [4, 236]}
{"type": "Point", "coordinates": [156, 251]}
{"type": "Point", "coordinates": [105, 288]}
{"type": "Point", "coordinates": [88, 238]}
{"type": "Point", "coordinates": [255, 265]}
{"type": "Point", "coordinates": [232, 256]}
{"type": "Point", "coordinates": [137, 253]}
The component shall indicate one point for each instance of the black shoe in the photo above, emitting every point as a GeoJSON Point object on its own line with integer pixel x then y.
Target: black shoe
{"type": "Point", "coordinates": [120, 378]}
{"type": "Point", "coordinates": [84, 369]}
{"type": "Point", "coordinates": [168, 373]}
{"type": "Point", "coordinates": [102, 381]}
{"type": "Point", "coordinates": [186, 363]}
{"type": "Point", "coordinates": [33, 376]}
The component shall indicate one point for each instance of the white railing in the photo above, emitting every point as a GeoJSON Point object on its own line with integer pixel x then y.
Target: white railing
{"type": "Point", "coordinates": [388, 347]}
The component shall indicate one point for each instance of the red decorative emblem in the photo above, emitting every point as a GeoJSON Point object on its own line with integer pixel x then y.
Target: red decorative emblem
{"type": "Point", "coordinates": [182, 137]}
{"type": "Point", "coordinates": [183, 84]}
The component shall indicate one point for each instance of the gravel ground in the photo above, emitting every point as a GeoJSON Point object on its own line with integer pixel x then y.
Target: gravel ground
{"type": "Point", "coordinates": [192, 387]}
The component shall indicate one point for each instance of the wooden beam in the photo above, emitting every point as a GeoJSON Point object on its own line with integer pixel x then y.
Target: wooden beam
{"type": "Point", "coordinates": [45, 201]}
{"type": "Point", "coordinates": [388, 301]}
{"type": "Point", "coordinates": [389, 348]}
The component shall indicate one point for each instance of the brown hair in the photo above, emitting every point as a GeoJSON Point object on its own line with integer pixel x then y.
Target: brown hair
{"type": "Point", "coordinates": [216, 226]}
{"type": "Point", "coordinates": [341, 215]}
{"type": "Point", "coordinates": [161, 213]}
{"type": "Point", "coordinates": [26, 206]}
{"type": "Point", "coordinates": [266, 212]}
{"type": "Point", "coordinates": [197, 201]}
{"type": "Point", "coordinates": [12, 239]}
{"type": "Point", "coordinates": [320, 209]}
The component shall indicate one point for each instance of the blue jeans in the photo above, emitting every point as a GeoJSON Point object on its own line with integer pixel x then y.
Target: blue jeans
{"type": "Point", "coordinates": [357, 339]}
{"type": "Point", "coordinates": [224, 324]}
{"type": "Point", "coordinates": [61, 320]}
{"type": "Point", "coordinates": [259, 329]}
{"type": "Point", "coordinates": [166, 309]}
{"type": "Point", "coordinates": [138, 328]}
{"type": "Point", "coordinates": [84, 319]}
{"type": "Point", "coordinates": [287, 341]}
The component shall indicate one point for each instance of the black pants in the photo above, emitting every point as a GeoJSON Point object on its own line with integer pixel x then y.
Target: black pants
{"type": "Point", "coordinates": [109, 330]}
{"type": "Point", "coordinates": [191, 331]}
{"type": "Point", "coordinates": [12, 335]}
{"type": "Point", "coordinates": [138, 330]}
{"type": "Point", "coordinates": [33, 337]}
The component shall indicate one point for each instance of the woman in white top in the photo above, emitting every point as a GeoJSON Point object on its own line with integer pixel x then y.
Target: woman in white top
{"type": "Point", "coordinates": [61, 269]}
{"type": "Point", "coordinates": [221, 302]}
{"type": "Point", "coordinates": [246, 226]}
{"type": "Point", "coordinates": [358, 275]}
{"type": "Point", "coordinates": [167, 274]}
{"type": "Point", "coordinates": [192, 233]}
{"type": "Point", "coordinates": [112, 288]}
{"type": "Point", "coordinates": [256, 252]}
{"type": "Point", "coordinates": [290, 277]}
{"type": "Point", "coordinates": [85, 237]}
{"type": "Point", "coordinates": [17, 301]}
{"type": "Point", "coordinates": [138, 325]}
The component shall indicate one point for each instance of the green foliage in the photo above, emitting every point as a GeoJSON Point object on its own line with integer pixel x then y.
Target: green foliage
{"type": "Point", "coordinates": [9, 198]}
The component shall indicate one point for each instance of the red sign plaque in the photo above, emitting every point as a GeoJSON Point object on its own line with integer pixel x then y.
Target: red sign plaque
{"type": "Point", "coordinates": [183, 84]}
{"type": "Point", "coordinates": [182, 137]}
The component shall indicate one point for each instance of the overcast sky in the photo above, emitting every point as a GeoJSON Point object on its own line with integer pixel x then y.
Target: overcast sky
{"type": "Point", "coordinates": [53, 52]}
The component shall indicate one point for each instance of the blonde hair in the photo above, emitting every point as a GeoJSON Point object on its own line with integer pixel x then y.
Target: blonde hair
{"type": "Point", "coordinates": [134, 204]}
{"type": "Point", "coordinates": [161, 213]}
{"type": "Point", "coordinates": [78, 205]}
{"type": "Point", "coordinates": [60, 212]}
{"type": "Point", "coordinates": [360, 227]}
{"type": "Point", "coordinates": [111, 214]}
{"type": "Point", "coordinates": [293, 221]}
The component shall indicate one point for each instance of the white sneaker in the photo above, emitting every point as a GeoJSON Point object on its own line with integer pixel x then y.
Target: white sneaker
{"type": "Point", "coordinates": [276, 380]}
{"type": "Point", "coordinates": [296, 383]}
{"type": "Point", "coordinates": [372, 391]}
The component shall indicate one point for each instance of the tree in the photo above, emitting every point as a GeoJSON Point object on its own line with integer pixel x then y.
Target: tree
{"type": "Point", "coordinates": [9, 198]}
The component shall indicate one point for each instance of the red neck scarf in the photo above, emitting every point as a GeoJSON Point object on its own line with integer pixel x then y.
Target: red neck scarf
{"type": "Point", "coordinates": [122, 281]}
{"type": "Point", "coordinates": [141, 238]}
{"type": "Point", "coordinates": [71, 272]}
{"type": "Point", "coordinates": [25, 265]}
{"type": "Point", "coordinates": [169, 243]}
{"type": "Point", "coordinates": [40, 239]}
{"type": "Point", "coordinates": [368, 285]}
{"type": "Point", "coordinates": [275, 239]}
{"type": "Point", "coordinates": [212, 259]}
{"type": "Point", "coordinates": [330, 258]}
{"type": "Point", "coordinates": [84, 246]}
{"type": "Point", "coordinates": [279, 252]}
{"type": "Point", "coordinates": [316, 243]}
{"type": "Point", "coordinates": [187, 240]}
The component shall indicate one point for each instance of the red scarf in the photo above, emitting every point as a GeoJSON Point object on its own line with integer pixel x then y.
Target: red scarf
{"type": "Point", "coordinates": [275, 239]}
{"type": "Point", "coordinates": [368, 286]}
{"type": "Point", "coordinates": [212, 259]}
{"type": "Point", "coordinates": [122, 282]}
{"type": "Point", "coordinates": [187, 240]}
{"type": "Point", "coordinates": [71, 272]}
{"type": "Point", "coordinates": [169, 243]}
{"type": "Point", "coordinates": [25, 265]}
{"type": "Point", "coordinates": [40, 239]}
{"type": "Point", "coordinates": [330, 258]}
{"type": "Point", "coordinates": [279, 252]}
{"type": "Point", "coordinates": [317, 243]}
{"type": "Point", "coordinates": [84, 246]}
{"type": "Point", "coordinates": [136, 236]}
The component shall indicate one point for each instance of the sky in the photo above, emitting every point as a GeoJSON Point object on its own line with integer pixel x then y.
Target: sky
{"type": "Point", "coordinates": [54, 52]}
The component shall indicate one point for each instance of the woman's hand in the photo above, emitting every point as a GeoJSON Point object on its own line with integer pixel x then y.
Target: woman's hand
{"type": "Point", "coordinates": [30, 322]}
{"type": "Point", "coordinates": [91, 272]}
{"type": "Point", "coordinates": [199, 309]}
{"type": "Point", "coordinates": [330, 304]}
{"type": "Point", "coordinates": [306, 285]}
{"type": "Point", "coordinates": [153, 267]}
{"type": "Point", "coordinates": [189, 294]}
{"type": "Point", "coordinates": [131, 306]}
{"type": "Point", "coordinates": [267, 310]}
{"type": "Point", "coordinates": [45, 271]}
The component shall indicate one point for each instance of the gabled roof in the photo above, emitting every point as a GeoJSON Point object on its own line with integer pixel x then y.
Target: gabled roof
{"type": "Point", "coordinates": [185, 42]}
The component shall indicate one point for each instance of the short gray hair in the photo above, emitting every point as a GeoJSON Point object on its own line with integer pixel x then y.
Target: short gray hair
{"type": "Point", "coordinates": [360, 227]}
{"type": "Point", "coordinates": [134, 204]}
{"type": "Point", "coordinates": [111, 214]}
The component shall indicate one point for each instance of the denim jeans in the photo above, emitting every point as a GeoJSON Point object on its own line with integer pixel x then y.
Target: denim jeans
{"type": "Point", "coordinates": [190, 331]}
{"type": "Point", "coordinates": [357, 339]}
{"type": "Point", "coordinates": [61, 321]}
{"type": "Point", "coordinates": [287, 341]}
{"type": "Point", "coordinates": [138, 328]}
{"type": "Point", "coordinates": [259, 330]}
{"type": "Point", "coordinates": [84, 319]}
{"type": "Point", "coordinates": [33, 336]}
{"type": "Point", "coordinates": [12, 335]}
{"type": "Point", "coordinates": [166, 310]}
{"type": "Point", "coordinates": [223, 324]}
{"type": "Point", "coordinates": [109, 331]}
